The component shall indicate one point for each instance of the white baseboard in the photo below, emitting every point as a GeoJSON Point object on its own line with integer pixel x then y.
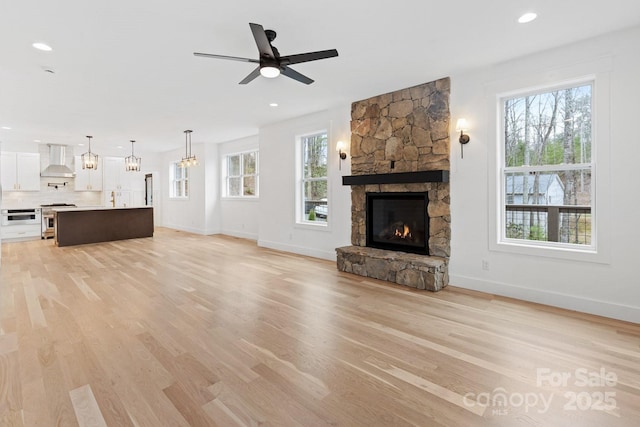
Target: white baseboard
{"type": "Point", "coordinates": [301, 250]}
{"type": "Point", "coordinates": [571, 302]}
{"type": "Point", "coordinates": [194, 230]}
{"type": "Point", "coordinates": [241, 234]}
{"type": "Point", "coordinates": [187, 229]}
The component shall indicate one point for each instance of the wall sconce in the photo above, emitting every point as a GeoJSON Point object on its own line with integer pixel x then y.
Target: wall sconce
{"type": "Point", "coordinates": [461, 126]}
{"type": "Point", "coordinates": [340, 147]}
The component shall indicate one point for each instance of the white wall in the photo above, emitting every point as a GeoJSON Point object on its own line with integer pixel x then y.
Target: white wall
{"type": "Point", "coordinates": [211, 188]}
{"type": "Point", "coordinates": [190, 214]}
{"type": "Point", "coordinates": [269, 219]}
{"type": "Point", "coordinates": [240, 216]}
{"type": "Point", "coordinates": [277, 222]}
{"type": "Point", "coordinates": [610, 286]}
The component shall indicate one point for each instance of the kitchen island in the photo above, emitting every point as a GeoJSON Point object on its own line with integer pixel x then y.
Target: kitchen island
{"type": "Point", "coordinates": [78, 226]}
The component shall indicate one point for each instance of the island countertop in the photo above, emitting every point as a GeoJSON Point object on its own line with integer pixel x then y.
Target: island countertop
{"type": "Point", "coordinates": [81, 225]}
{"type": "Point", "coordinates": [94, 208]}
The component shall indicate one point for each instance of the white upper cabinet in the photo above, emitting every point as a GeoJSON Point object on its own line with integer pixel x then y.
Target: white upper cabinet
{"type": "Point", "coordinates": [114, 174]}
{"type": "Point", "coordinates": [125, 185]}
{"type": "Point", "coordinates": [20, 171]}
{"type": "Point", "coordinates": [88, 179]}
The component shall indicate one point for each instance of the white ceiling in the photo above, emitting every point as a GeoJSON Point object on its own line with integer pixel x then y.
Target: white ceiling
{"type": "Point", "coordinates": [124, 69]}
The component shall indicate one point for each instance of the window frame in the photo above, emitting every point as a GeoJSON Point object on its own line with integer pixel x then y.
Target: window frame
{"type": "Point", "coordinates": [173, 166]}
{"type": "Point", "coordinates": [242, 175]}
{"type": "Point", "coordinates": [599, 72]}
{"type": "Point", "coordinates": [300, 215]}
{"type": "Point", "coordinates": [587, 166]}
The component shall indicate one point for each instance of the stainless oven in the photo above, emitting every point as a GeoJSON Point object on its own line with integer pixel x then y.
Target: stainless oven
{"type": "Point", "coordinates": [48, 230]}
{"type": "Point", "coordinates": [20, 216]}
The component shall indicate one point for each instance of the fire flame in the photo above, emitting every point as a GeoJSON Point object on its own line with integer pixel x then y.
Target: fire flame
{"type": "Point", "coordinates": [405, 234]}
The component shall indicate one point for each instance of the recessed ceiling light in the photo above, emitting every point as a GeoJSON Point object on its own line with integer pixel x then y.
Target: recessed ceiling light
{"type": "Point", "coordinates": [36, 140]}
{"type": "Point", "coordinates": [6, 128]}
{"type": "Point", "coordinates": [273, 104]}
{"type": "Point", "coordinates": [81, 144]}
{"type": "Point", "coordinates": [42, 46]}
{"type": "Point", "coordinates": [119, 146]}
{"type": "Point", "coordinates": [527, 17]}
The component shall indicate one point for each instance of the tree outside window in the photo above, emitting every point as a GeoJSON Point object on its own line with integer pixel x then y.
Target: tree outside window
{"type": "Point", "coordinates": [547, 166]}
{"type": "Point", "coordinates": [314, 178]}
{"type": "Point", "coordinates": [179, 176]}
{"type": "Point", "coordinates": [242, 174]}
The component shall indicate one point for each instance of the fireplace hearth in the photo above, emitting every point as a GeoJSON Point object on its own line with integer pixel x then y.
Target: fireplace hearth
{"type": "Point", "coordinates": [398, 221]}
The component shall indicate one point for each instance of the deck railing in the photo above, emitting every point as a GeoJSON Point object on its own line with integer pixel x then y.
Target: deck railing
{"type": "Point", "coordinates": [564, 224]}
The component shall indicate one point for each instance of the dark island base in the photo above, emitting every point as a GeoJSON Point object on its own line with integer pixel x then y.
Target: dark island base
{"type": "Point", "coordinates": [77, 227]}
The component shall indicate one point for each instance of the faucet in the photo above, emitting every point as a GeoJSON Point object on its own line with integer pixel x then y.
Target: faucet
{"type": "Point", "coordinates": [113, 199]}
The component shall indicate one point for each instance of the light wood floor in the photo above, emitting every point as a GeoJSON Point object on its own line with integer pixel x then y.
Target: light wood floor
{"type": "Point", "coordinates": [182, 329]}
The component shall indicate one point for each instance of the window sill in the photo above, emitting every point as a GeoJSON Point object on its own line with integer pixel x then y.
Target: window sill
{"type": "Point", "coordinates": [586, 254]}
{"type": "Point", "coordinates": [241, 198]}
{"type": "Point", "coordinates": [322, 226]}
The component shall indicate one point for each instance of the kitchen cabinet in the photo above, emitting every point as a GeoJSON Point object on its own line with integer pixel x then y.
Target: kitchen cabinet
{"type": "Point", "coordinates": [20, 232]}
{"type": "Point", "coordinates": [126, 186]}
{"type": "Point", "coordinates": [88, 179]}
{"type": "Point", "coordinates": [20, 171]}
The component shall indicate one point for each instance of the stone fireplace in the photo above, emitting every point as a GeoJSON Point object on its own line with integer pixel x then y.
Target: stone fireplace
{"type": "Point", "coordinates": [400, 151]}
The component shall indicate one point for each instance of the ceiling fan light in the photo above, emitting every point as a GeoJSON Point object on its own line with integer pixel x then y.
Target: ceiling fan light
{"type": "Point", "coordinates": [269, 71]}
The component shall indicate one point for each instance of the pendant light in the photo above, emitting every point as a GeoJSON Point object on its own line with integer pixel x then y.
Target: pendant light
{"type": "Point", "coordinates": [132, 163]}
{"type": "Point", "coordinates": [188, 159]}
{"type": "Point", "coordinates": [89, 159]}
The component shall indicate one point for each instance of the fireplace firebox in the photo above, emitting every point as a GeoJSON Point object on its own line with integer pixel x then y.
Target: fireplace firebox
{"type": "Point", "coordinates": [398, 221]}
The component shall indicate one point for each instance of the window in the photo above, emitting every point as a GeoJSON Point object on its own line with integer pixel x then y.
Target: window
{"type": "Point", "coordinates": [242, 174]}
{"type": "Point", "coordinates": [179, 176]}
{"type": "Point", "coordinates": [313, 203]}
{"type": "Point", "coordinates": [546, 181]}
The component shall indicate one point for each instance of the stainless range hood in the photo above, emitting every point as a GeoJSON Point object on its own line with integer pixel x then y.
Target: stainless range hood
{"type": "Point", "coordinates": [57, 160]}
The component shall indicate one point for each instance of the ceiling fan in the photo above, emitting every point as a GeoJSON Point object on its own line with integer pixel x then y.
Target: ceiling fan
{"type": "Point", "coordinates": [270, 63]}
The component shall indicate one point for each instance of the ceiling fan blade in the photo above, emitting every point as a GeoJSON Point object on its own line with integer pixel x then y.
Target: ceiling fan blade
{"type": "Point", "coordinates": [264, 47]}
{"type": "Point", "coordinates": [295, 75]}
{"type": "Point", "coordinates": [306, 57]}
{"type": "Point", "coordinates": [252, 75]}
{"type": "Point", "coordinates": [233, 58]}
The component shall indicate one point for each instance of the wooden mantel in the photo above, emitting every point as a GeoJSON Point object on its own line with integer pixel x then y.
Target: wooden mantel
{"type": "Point", "coordinates": [397, 178]}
